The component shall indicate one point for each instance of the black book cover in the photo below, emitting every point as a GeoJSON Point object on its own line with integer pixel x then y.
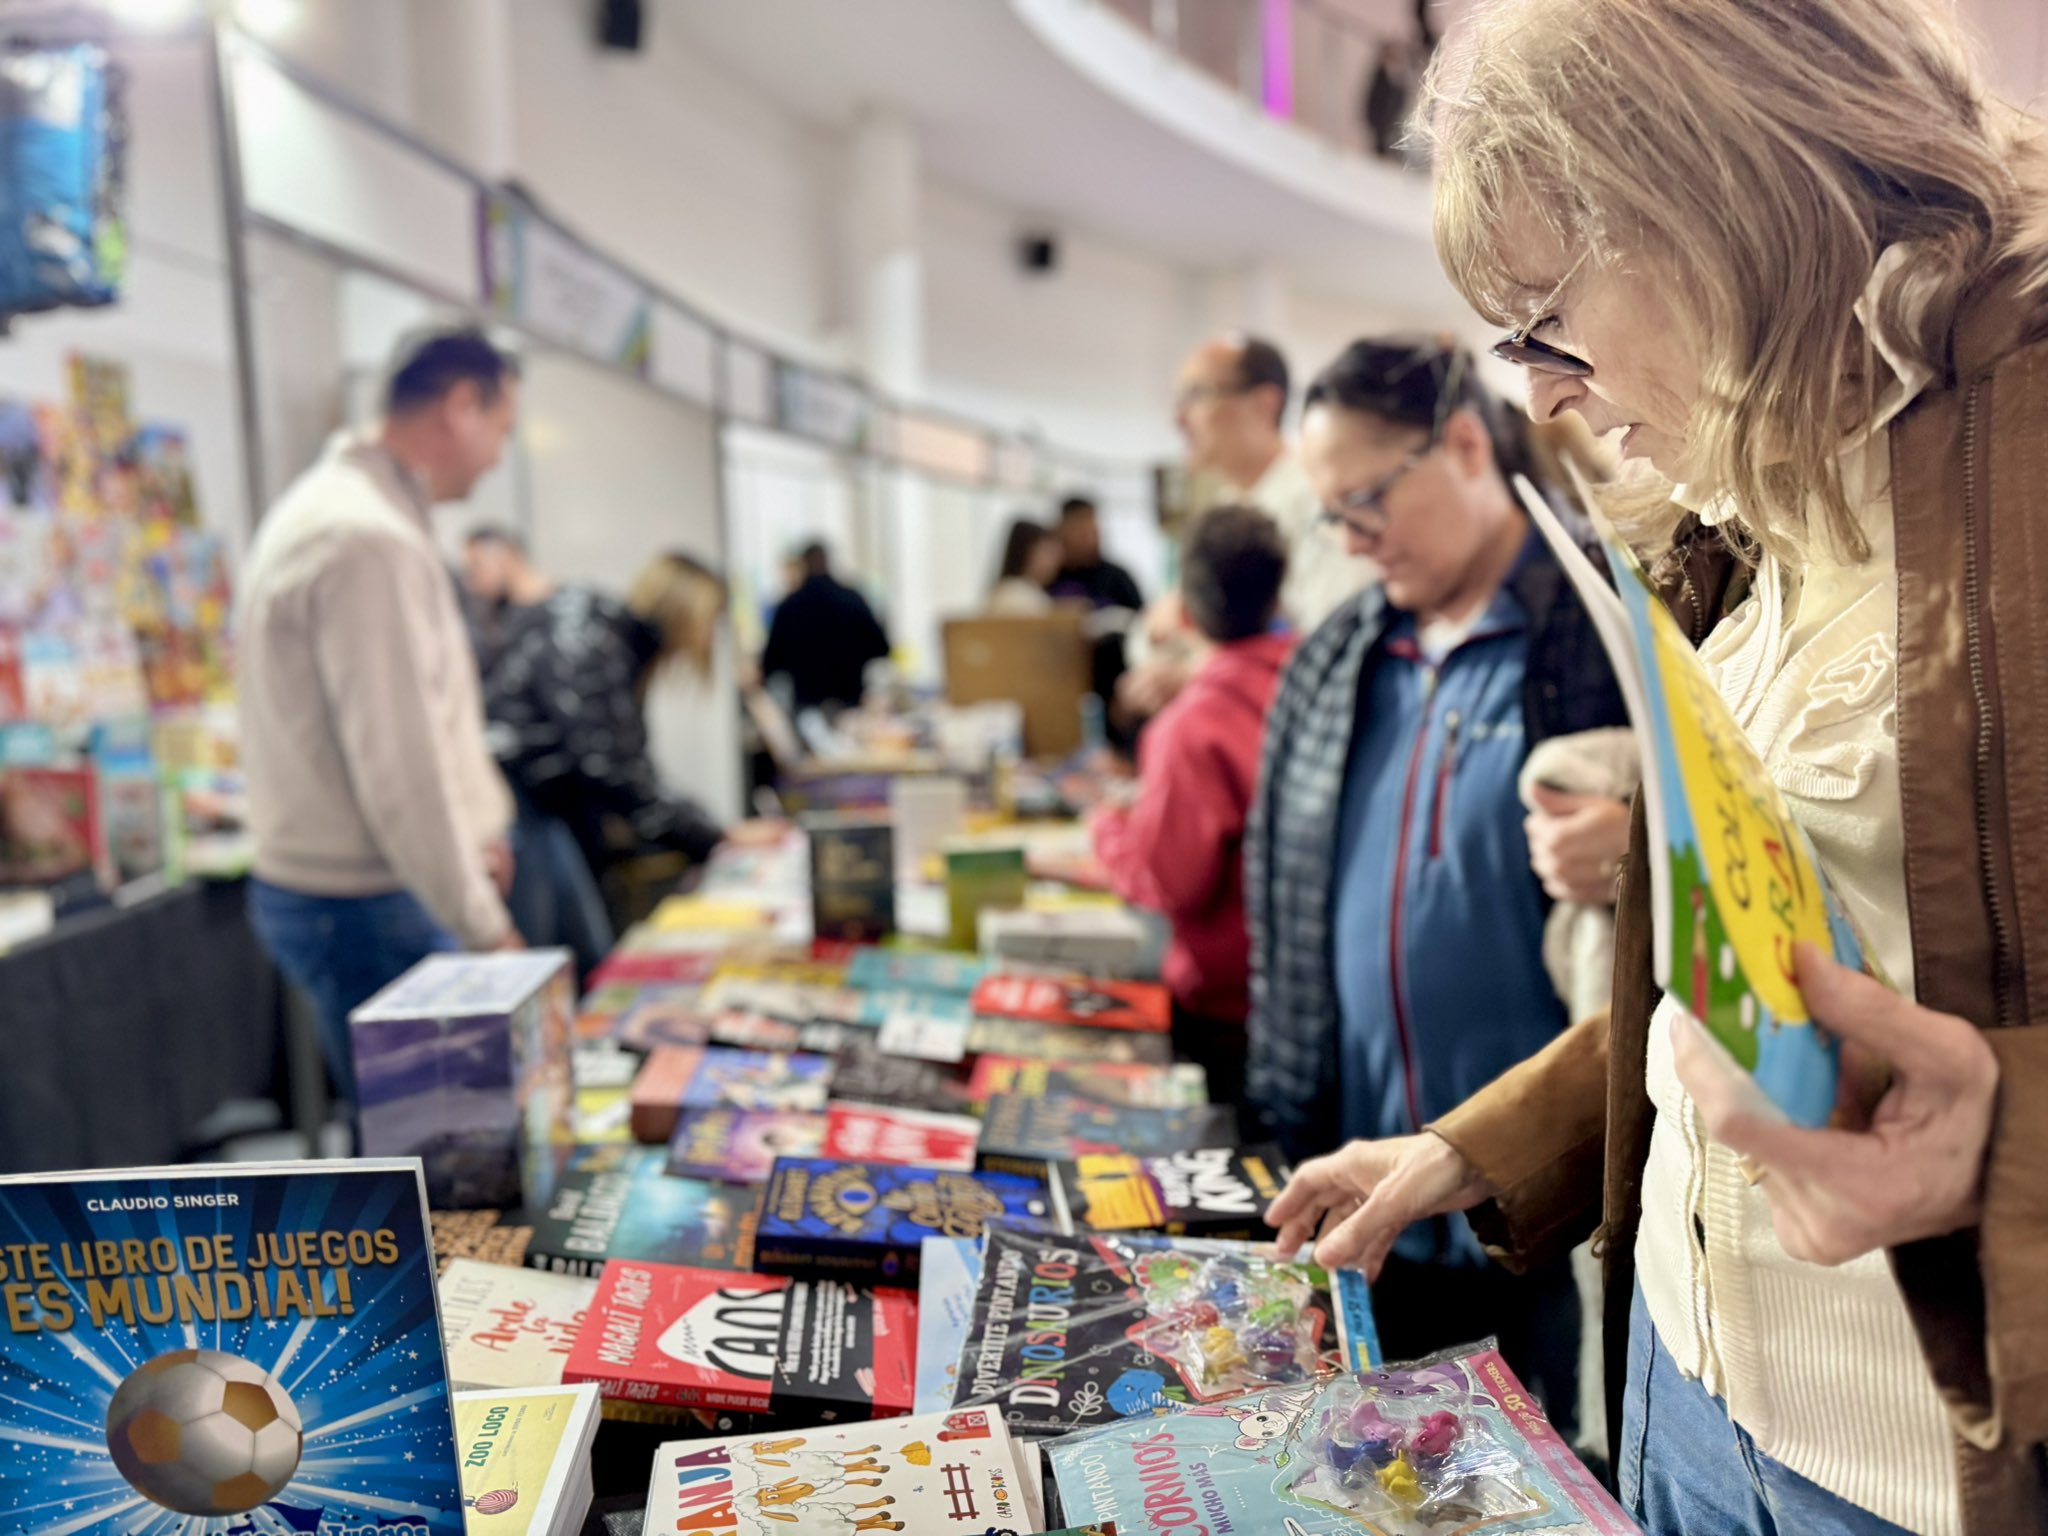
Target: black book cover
{"type": "Point", "coordinates": [866, 1075]}
{"type": "Point", "coordinates": [1210, 1192]}
{"type": "Point", "coordinates": [639, 1212]}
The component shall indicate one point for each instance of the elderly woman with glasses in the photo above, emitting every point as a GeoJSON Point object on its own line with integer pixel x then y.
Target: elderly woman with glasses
{"type": "Point", "coordinates": [1794, 259]}
{"type": "Point", "coordinates": [1397, 925]}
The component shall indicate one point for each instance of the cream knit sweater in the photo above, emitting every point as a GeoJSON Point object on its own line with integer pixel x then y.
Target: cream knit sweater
{"type": "Point", "coordinates": [1819, 1365]}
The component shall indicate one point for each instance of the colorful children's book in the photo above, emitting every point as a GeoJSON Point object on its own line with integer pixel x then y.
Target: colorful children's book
{"type": "Point", "coordinates": [955, 1474]}
{"type": "Point", "coordinates": [759, 1080]}
{"type": "Point", "coordinates": [880, 970]}
{"type": "Point", "coordinates": [869, 1220]}
{"type": "Point", "coordinates": [1734, 883]}
{"type": "Point", "coordinates": [1182, 1085]}
{"type": "Point", "coordinates": [653, 970]}
{"type": "Point", "coordinates": [1076, 1003]}
{"type": "Point", "coordinates": [1075, 1331]}
{"type": "Point", "coordinates": [804, 1352]}
{"type": "Point", "coordinates": [1447, 1446]}
{"type": "Point", "coordinates": [1018, 1133]}
{"type": "Point", "coordinates": [649, 1021]}
{"type": "Point", "coordinates": [526, 1459]}
{"type": "Point", "coordinates": [195, 1349]}
{"type": "Point", "coordinates": [927, 1025]}
{"type": "Point", "coordinates": [463, 1062]}
{"type": "Point", "coordinates": [874, 1133]}
{"type": "Point", "coordinates": [509, 1327]}
{"type": "Point", "coordinates": [1213, 1192]}
{"type": "Point", "coordinates": [949, 1274]}
{"type": "Point", "coordinates": [638, 1212]}
{"type": "Point", "coordinates": [741, 1145]}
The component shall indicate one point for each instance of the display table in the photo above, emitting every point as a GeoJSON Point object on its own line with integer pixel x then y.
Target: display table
{"type": "Point", "coordinates": [125, 1027]}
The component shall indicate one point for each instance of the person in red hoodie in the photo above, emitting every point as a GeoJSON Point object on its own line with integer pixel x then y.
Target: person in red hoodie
{"type": "Point", "coordinates": [1178, 847]}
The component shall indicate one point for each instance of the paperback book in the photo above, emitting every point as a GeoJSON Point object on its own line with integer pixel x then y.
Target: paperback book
{"type": "Point", "coordinates": [949, 1274]}
{"type": "Point", "coordinates": [1734, 883]}
{"type": "Point", "coordinates": [1075, 1003]}
{"type": "Point", "coordinates": [1450, 1445]}
{"type": "Point", "coordinates": [868, 1221]}
{"type": "Point", "coordinates": [509, 1327]}
{"type": "Point", "coordinates": [1213, 1192]}
{"type": "Point", "coordinates": [1180, 1086]}
{"type": "Point", "coordinates": [1075, 1331]}
{"type": "Point", "coordinates": [198, 1351]}
{"type": "Point", "coordinates": [740, 1145]}
{"type": "Point", "coordinates": [870, 1076]}
{"type": "Point", "coordinates": [759, 1080]}
{"type": "Point", "coordinates": [1066, 1043]}
{"type": "Point", "coordinates": [658, 1090]}
{"type": "Point", "coordinates": [526, 1459]}
{"type": "Point", "coordinates": [873, 1133]}
{"type": "Point", "coordinates": [637, 1211]}
{"type": "Point", "coordinates": [485, 1236]}
{"type": "Point", "coordinates": [954, 1473]}
{"type": "Point", "coordinates": [800, 1351]}
{"type": "Point", "coordinates": [1020, 1134]}
{"type": "Point", "coordinates": [879, 970]}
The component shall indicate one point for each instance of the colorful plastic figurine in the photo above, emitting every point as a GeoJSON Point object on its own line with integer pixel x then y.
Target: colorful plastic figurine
{"type": "Point", "coordinates": [1345, 1452]}
{"type": "Point", "coordinates": [1397, 1478]}
{"type": "Point", "coordinates": [1272, 1350]}
{"type": "Point", "coordinates": [1221, 1354]}
{"type": "Point", "coordinates": [1275, 1312]}
{"type": "Point", "coordinates": [1380, 1439]}
{"type": "Point", "coordinates": [1434, 1437]}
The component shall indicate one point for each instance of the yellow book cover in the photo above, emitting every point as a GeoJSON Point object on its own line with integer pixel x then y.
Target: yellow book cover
{"type": "Point", "coordinates": [518, 1450]}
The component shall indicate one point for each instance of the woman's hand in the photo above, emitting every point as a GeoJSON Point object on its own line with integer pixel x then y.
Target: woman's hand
{"type": "Point", "coordinates": [1576, 844]}
{"type": "Point", "coordinates": [1915, 1171]}
{"type": "Point", "coordinates": [1364, 1195]}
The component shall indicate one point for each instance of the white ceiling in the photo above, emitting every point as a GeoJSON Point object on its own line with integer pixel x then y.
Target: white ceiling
{"type": "Point", "coordinates": [1000, 115]}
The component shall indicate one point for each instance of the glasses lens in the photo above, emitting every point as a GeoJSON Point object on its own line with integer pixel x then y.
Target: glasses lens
{"type": "Point", "coordinates": [1527, 352]}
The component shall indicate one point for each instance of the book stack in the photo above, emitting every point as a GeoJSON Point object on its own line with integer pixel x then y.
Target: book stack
{"type": "Point", "coordinates": [526, 1458]}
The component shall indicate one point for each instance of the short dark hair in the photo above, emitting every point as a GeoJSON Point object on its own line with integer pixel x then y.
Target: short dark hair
{"type": "Point", "coordinates": [1076, 504]}
{"type": "Point", "coordinates": [495, 533]}
{"type": "Point", "coordinates": [1260, 363]}
{"type": "Point", "coordinates": [1233, 561]}
{"type": "Point", "coordinates": [1420, 381]}
{"type": "Point", "coordinates": [430, 365]}
{"type": "Point", "coordinates": [815, 558]}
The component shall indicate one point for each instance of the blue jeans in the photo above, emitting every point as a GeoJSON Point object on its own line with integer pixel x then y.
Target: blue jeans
{"type": "Point", "coordinates": [1687, 1469]}
{"type": "Point", "coordinates": [341, 950]}
{"type": "Point", "coordinates": [555, 899]}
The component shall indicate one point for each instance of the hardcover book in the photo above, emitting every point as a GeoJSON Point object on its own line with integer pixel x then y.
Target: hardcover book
{"type": "Point", "coordinates": [194, 1351]}
{"type": "Point", "coordinates": [1077, 1003]}
{"type": "Point", "coordinates": [637, 1211]}
{"type": "Point", "coordinates": [873, 1133]}
{"type": "Point", "coordinates": [509, 1327]}
{"type": "Point", "coordinates": [1018, 1133]}
{"type": "Point", "coordinates": [853, 877]}
{"type": "Point", "coordinates": [740, 1145]}
{"type": "Point", "coordinates": [954, 1474]}
{"type": "Point", "coordinates": [792, 1080]}
{"type": "Point", "coordinates": [1069, 1332]}
{"type": "Point", "coordinates": [800, 1351]}
{"type": "Point", "coordinates": [1214, 1192]}
{"type": "Point", "coordinates": [463, 1062]}
{"type": "Point", "coordinates": [869, 1220]}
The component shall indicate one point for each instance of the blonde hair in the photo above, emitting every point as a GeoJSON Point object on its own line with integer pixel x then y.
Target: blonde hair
{"type": "Point", "coordinates": [1762, 153]}
{"type": "Point", "coordinates": [682, 598]}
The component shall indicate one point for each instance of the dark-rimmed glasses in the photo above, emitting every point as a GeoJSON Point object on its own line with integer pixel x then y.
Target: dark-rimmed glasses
{"type": "Point", "coordinates": [1525, 351]}
{"type": "Point", "coordinates": [1364, 511]}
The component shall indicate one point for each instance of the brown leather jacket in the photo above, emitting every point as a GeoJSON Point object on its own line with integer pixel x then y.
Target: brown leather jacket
{"type": "Point", "coordinates": [1564, 1136]}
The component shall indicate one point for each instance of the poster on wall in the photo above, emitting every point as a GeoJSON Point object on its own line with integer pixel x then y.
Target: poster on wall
{"type": "Point", "coordinates": [536, 276]}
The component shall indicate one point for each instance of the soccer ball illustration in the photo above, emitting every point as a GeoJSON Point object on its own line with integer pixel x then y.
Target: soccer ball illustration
{"type": "Point", "coordinates": [204, 1433]}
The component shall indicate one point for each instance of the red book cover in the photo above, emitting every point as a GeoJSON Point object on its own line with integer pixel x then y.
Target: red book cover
{"type": "Point", "coordinates": [870, 1133]}
{"type": "Point", "coordinates": [654, 970]}
{"type": "Point", "coordinates": [699, 1338]}
{"type": "Point", "coordinates": [1134, 1005]}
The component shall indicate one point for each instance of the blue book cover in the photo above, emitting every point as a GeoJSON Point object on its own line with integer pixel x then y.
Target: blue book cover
{"type": "Point", "coordinates": [630, 1208]}
{"type": "Point", "coordinates": [196, 1351]}
{"type": "Point", "coordinates": [876, 970]}
{"type": "Point", "coordinates": [947, 1280]}
{"type": "Point", "coordinates": [793, 1080]}
{"type": "Point", "coordinates": [848, 1220]}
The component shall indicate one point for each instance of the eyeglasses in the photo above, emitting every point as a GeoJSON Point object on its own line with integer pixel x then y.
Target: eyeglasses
{"type": "Point", "coordinates": [1525, 351]}
{"type": "Point", "coordinates": [1364, 511]}
{"type": "Point", "coordinates": [1196, 394]}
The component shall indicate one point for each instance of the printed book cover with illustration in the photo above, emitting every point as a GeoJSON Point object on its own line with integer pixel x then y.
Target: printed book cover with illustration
{"type": "Point", "coordinates": [741, 1145]}
{"type": "Point", "coordinates": [1736, 885]}
{"type": "Point", "coordinates": [1212, 1192]}
{"type": "Point", "coordinates": [526, 1459]}
{"type": "Point", "coordinates": [1139, 1005]}
{"type": "Point", "coordinates": [200, 1351]}
{"type": "Point", "coordinates": [874, 1133]}
{"type": "Point", "coordinates": [948, 1276]}
{"type": "Point", "coordinates": [508, 1328]}
{"type": "Point", "coordinates": [867, 1075]}
{"type": "Point", "coordinates": [1069, 1332]}
{"type": "Point", "coordinates": [803, 1351]}
{"type": "Point", "coordinates": [1018, 1133]}
{"type": "Point", "coordinates": [1066, 1043]}
{"type": "Point", "coordinates": [635, 1210]}
{"type": "Point", "coordinates": [955, 1472]}
{"type": "Point", "coordinates": [1183, 1085]}
{"type": "Point", "coordinates": [879, 970]}
{"type": "Point", "coordinates": [759, 1080]}
{"type": "Point", "coordinates": [869, 1220]}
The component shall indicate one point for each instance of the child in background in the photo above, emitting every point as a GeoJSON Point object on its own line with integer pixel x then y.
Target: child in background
{"type": "Point", "coordinates": [1177, 849]}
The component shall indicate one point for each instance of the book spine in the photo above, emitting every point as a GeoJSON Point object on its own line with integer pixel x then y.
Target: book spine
{"type": "Point", "coordinates": [667, 1394]}
{"type": "Point", "coordinates": [996, 1160]}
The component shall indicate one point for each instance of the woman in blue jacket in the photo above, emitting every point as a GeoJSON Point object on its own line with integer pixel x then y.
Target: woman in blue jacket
{"type": "Point", "coordinates": [1397, 926]}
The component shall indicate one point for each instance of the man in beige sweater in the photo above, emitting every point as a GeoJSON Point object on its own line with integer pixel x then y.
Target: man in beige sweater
{"type": "Point", "coordinates": [379, 816]}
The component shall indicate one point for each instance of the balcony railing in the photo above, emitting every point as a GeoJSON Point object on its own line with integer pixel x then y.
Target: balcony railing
{"type": "Point", "coordinates": [1304, 61]}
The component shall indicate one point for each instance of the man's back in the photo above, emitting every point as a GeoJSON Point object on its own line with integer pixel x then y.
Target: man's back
{"type": "Point", "coordinates": [822, 640]}
{"type": "Point", "coordinates": [361, 720]}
